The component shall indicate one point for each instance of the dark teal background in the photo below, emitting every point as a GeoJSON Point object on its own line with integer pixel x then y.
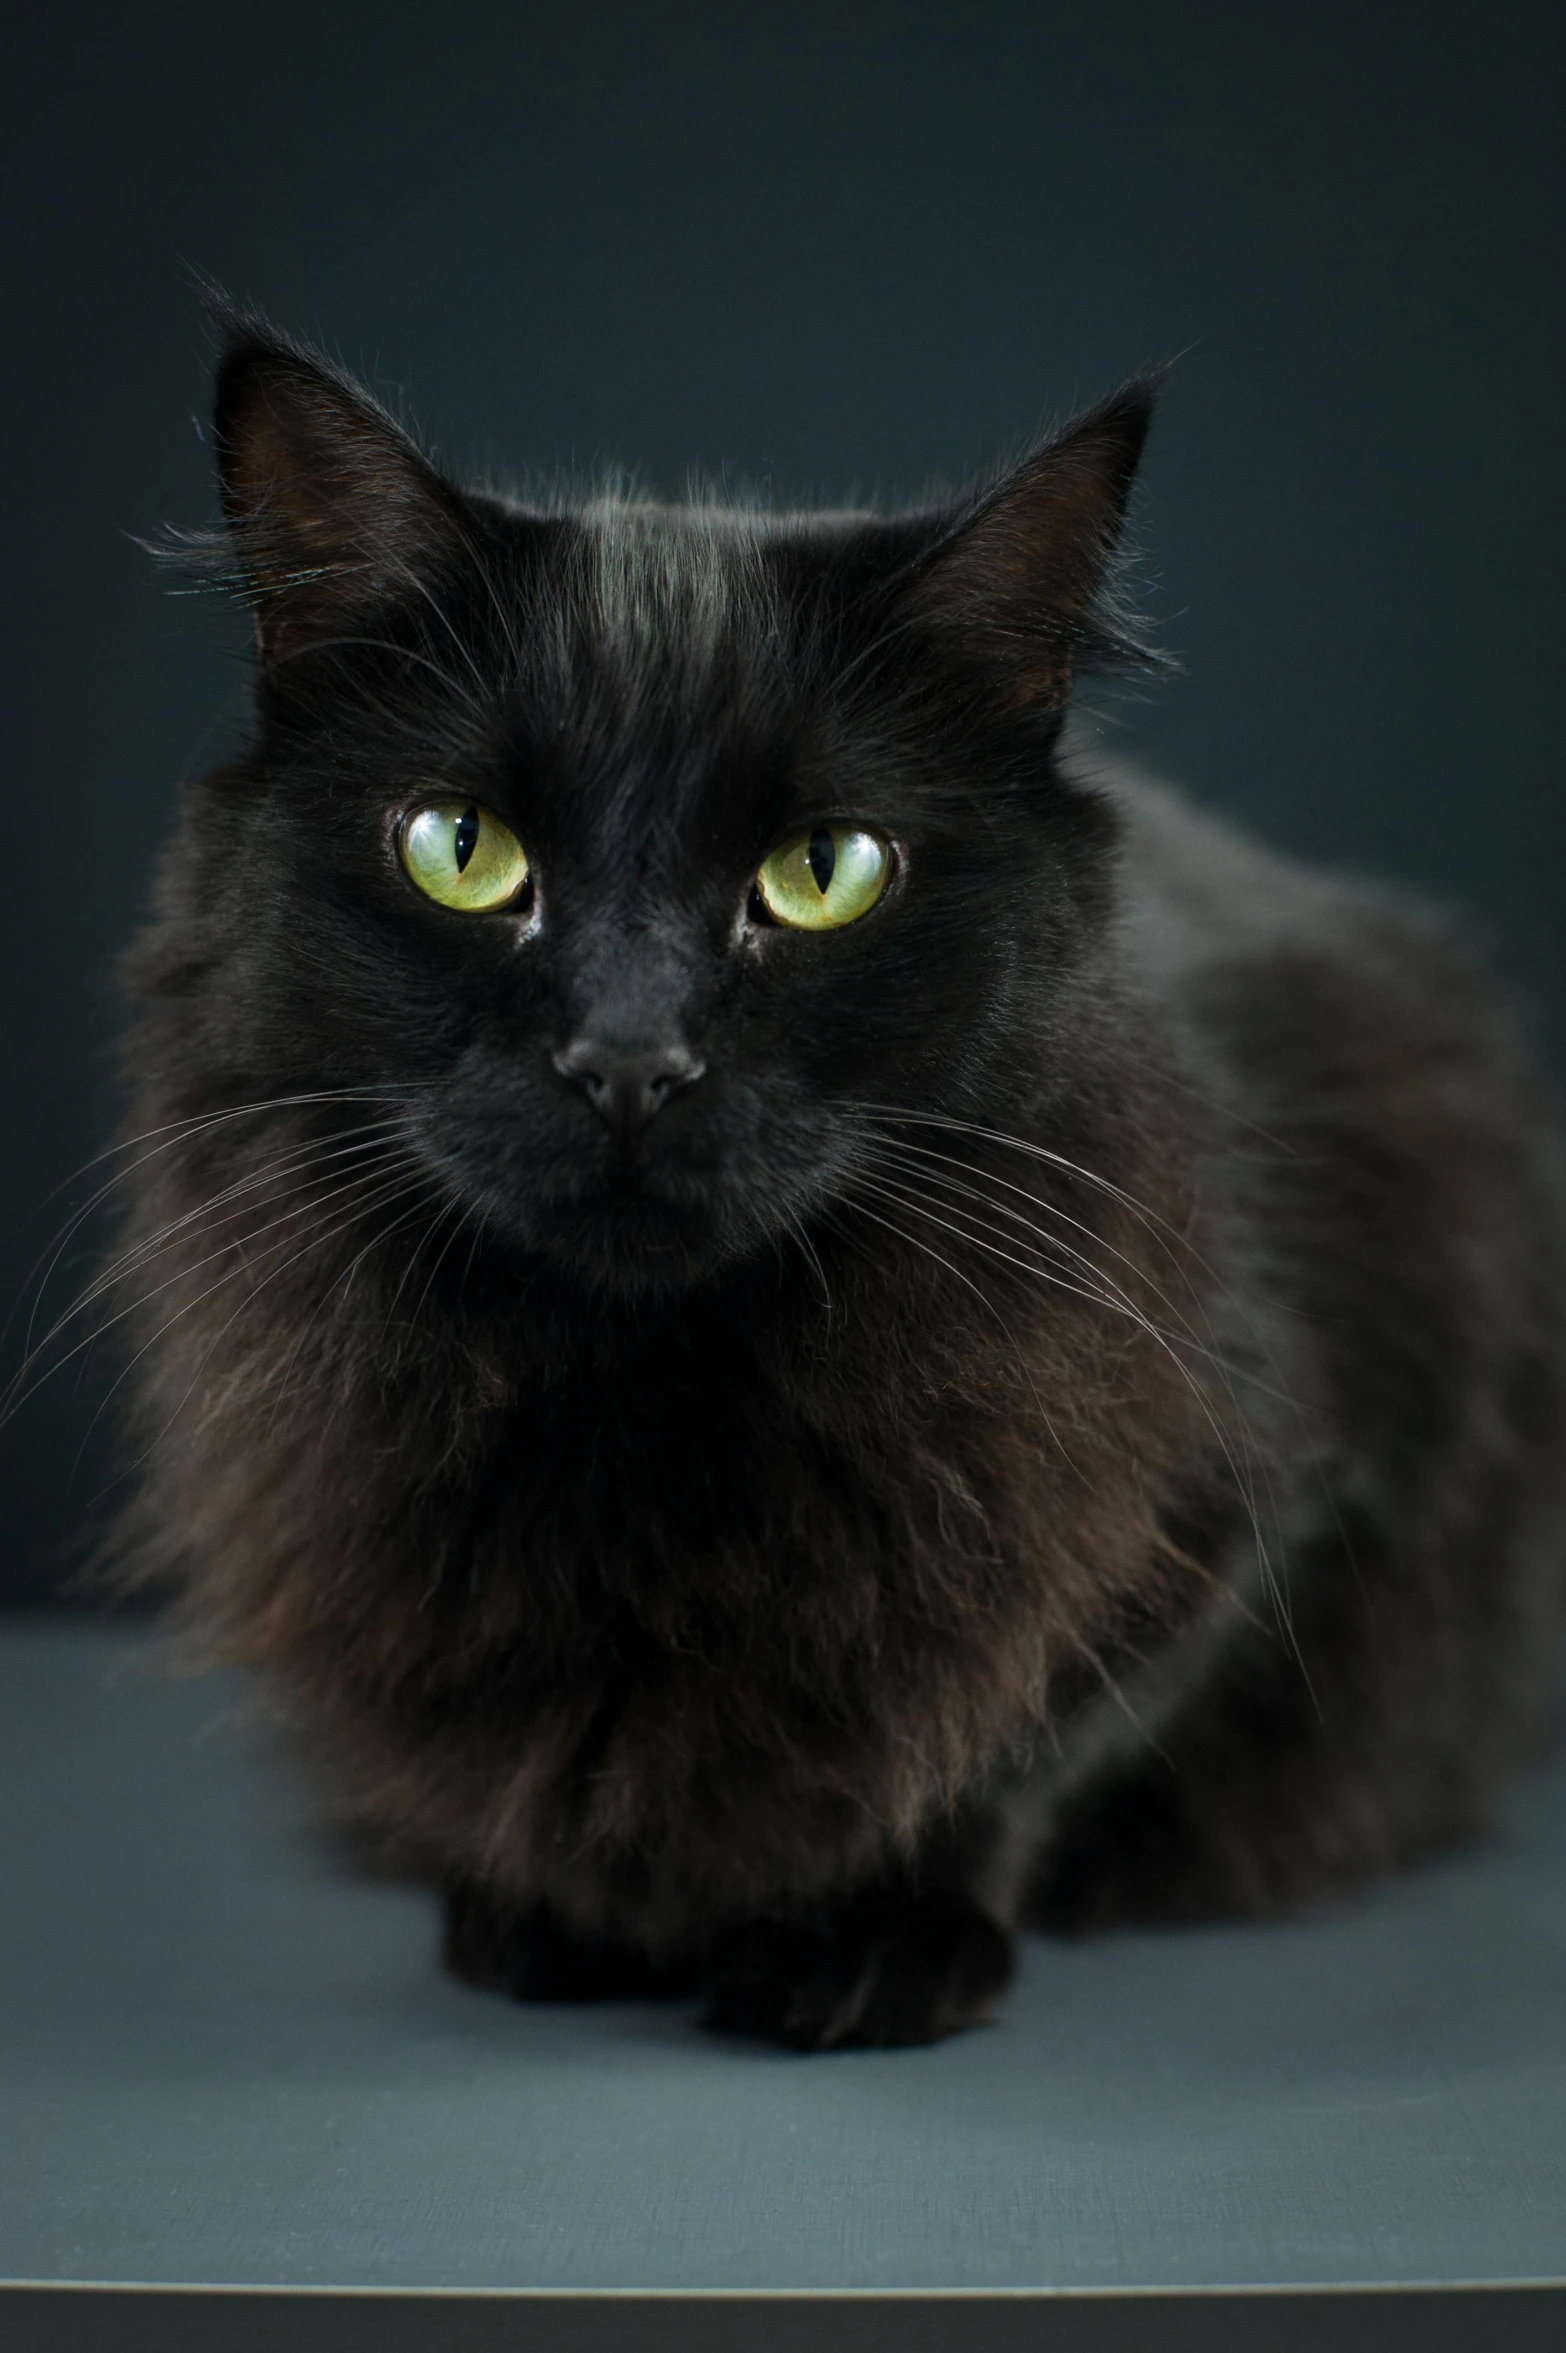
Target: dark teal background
{"type": "Point", "coordinates": [833, 250]}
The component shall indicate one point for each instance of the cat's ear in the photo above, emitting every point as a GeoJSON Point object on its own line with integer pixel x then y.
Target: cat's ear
{"type": "Point", "coordinates": [331, 506]}
{"type": "Point", "coordinates": [1015, 580]}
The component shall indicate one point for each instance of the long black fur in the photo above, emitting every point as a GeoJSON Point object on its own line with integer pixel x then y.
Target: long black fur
{"type": "Point", "coordinates": [1062, 1411]}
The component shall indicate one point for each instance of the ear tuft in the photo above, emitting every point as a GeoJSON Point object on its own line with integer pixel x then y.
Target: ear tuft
{"type": "Point", "coordinates": [330, 504]}
{"type": "Point", "coordinates": [1016, 579]}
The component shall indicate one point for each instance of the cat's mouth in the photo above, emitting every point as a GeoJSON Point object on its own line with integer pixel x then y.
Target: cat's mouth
{"type": "Point", "coordinates": [637, 1233]}
{"type": "Point", "coordinates": [660, 1209]}
{"type": "Point", "coordinates": [630, 1226]}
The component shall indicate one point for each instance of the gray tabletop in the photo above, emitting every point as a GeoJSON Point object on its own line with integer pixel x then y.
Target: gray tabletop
{"type": "Point", "coordinates": [229, 2063]}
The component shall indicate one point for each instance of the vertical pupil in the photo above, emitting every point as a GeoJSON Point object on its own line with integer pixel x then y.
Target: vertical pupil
{"type": "Point", "coordinates": [821, 857]}
{"type": "Point", "coordinates": [465, 840]}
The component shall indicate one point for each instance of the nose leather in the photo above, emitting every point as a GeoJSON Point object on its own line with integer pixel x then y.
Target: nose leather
{"type": "Point", "coordinates": [626, 1088]}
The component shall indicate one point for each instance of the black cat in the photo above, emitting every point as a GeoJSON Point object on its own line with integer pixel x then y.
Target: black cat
{"type": "Point", "coordinates": [799, 1322]}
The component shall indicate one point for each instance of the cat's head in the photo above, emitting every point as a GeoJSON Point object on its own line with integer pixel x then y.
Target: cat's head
{"type": "Point", "coordinates": [640, 851]}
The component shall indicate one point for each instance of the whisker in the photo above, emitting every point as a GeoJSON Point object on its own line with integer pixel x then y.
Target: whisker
{"type": "Point", "coordinates": [176, 1132]}
{"type": "Point", "coordinates": [860, 1184]}
{"type": "Point", "coordinates": [1238, 1471]}
{"type": "Point", "coordinates": [800, 1232]}
{"type": "Point", "coordinates": [506, 618]}
{"type": "Point", "coordinates": [485, 687]}
{"type": "Point", "coordinates": [312, 1156]}
{"type": "Point", "coordinates": [314, 1241]}
{"type": "Point", "coordinates": [464, 1214]}
{"type": "Point", "coordinates": [402, 653]}
{"type": "Point", "coordinates": [925, 1152]}
{"type": "Point", "coordinates": [13, 1397]}
{"type": "Point", "coordinates": [346, 1279]}
{"type": "Point", "coordinates": [940, 1119]}
{"type": "Point", "coordinates": [894, 1150]}
{"type": "Point", "coordinates": [965, 1232]}
{"type": "Point", "coordinates": [141, 1254]}
{"type": "Point", "coordinates": [1147, 1217]}
{"type": "Point", "coordinates": [447, 1209]}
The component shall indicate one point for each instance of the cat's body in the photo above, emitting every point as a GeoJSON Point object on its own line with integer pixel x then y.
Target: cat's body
{"type": "Point", "coordinates": [1048, 1398]}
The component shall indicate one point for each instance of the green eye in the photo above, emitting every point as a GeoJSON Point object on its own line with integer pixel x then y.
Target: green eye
{"type": "Point", "coordinates": [824, 878]}
{"type": "Point", "coordinates": [461, 856]}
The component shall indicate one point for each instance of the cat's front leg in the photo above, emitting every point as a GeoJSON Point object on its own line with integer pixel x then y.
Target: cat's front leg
{"type": "Point", "coordinates": [530, 1953]}
{"type": "Point", "coordinates": [894, 1963]}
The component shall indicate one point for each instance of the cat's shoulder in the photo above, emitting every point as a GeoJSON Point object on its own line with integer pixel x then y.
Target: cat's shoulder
{"type": "Point", "coordinates": [1291, 967]}
{"type": "Point", "coordinates": [1197, 891]}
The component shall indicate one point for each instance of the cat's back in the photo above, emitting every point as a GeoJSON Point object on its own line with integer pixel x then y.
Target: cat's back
{"type": "Point", "coordinates": [1294, 980]}
{"type": "Point", "coordinates": [1199, 896]}
{"type": "Point", "coordinates": [1386, 1141]}
{"type": "Point", "coordinates": [1378, 1178]}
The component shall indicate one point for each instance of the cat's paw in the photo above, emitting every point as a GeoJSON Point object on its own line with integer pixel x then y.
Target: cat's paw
{"type": "Point", "coordinates": [888, 1970]}
{"type": "Point", "coordinates": [529, 1953]}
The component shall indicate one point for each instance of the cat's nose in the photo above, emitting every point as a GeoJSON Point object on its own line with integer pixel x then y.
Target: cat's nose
{"type": "Point", "coordinates": [626, 1089]}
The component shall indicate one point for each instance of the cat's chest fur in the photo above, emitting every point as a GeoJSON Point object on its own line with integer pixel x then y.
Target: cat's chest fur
{"type": "Point", "coordinates": [717, 1616]}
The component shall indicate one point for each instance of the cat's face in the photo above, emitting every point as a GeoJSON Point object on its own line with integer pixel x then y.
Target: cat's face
{"type": "Point", "coordinates": [638, 852]}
